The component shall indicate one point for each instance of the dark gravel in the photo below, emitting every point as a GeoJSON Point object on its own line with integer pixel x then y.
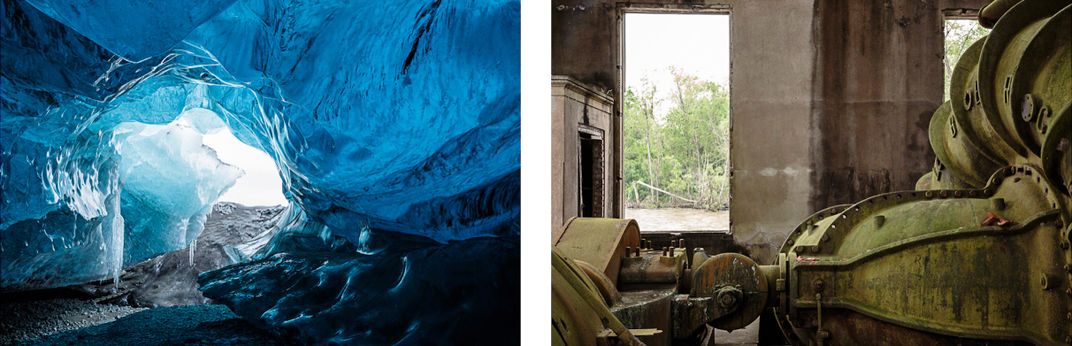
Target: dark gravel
{"type": "Point", "coordinates": [27, 316]}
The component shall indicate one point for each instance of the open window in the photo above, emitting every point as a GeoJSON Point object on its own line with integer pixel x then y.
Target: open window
{"type": "Point", "coordinates": [961, 29]}
{"type": "Point", "coordinates": [676, 119]}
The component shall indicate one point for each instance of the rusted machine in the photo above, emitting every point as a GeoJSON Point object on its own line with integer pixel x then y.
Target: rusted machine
{"type": "Point", "coordinates": [979, 253]}
{"type": "Point", "coordinates": [607, 280]}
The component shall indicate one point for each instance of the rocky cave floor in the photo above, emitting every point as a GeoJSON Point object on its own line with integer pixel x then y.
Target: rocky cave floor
{"type": "Point", "coordinates": [156, 301]}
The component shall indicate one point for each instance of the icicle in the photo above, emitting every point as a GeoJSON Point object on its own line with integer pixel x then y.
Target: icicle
{"type": "Point", "coordinates": [117, 225]}
{"type": "Point", "coordinates": [191, 250]}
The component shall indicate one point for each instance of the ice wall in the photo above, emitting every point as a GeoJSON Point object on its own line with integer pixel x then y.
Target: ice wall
{"type": "Point", "coordinates": [383, 118]}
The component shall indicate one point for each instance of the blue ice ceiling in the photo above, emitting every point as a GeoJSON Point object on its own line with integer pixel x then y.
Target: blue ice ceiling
{"type": "Point", "coordinates": [383, 118]}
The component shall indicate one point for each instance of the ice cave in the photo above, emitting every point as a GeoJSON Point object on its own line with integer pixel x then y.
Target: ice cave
{"type": "Point", "coordinates": [392, 129]}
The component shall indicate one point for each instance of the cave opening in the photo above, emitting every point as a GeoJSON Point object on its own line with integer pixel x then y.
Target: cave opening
{"type": "Point", "coordinates": [178, 173]}
{"type": "Point", "coordinates": [193, 198]}
{"type": "Point", "coordinates": [260, 184]}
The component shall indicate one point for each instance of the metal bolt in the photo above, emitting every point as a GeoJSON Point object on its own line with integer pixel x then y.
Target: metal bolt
{"type": "Point", "coordinates": [726, 300]}
{"type": "Point", "coordinates": [818, 285]}
{"type": "Point", "coordinates": [727, 297]}
{"type": "Point", "coordinates": [1027, 108]}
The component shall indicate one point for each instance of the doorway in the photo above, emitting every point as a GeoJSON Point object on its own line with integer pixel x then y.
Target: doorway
{"type": "Point", "coordinates": [590, 172]}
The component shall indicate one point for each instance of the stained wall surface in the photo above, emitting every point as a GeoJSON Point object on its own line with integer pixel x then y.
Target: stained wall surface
{"type": "Point", "coordinates": [830, 100]}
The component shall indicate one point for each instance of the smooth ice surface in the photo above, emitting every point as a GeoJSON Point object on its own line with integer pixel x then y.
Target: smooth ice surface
{"type": "Point", "coordinates": [462, 293]}
{"type": "Point", "coordinates": [383, 119]}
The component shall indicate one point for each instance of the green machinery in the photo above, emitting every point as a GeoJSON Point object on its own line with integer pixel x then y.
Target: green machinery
{"type": "Point", "coordinates": [979, 253]}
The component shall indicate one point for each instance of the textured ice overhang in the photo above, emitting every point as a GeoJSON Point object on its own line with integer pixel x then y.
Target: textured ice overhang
{"type": "Point", "coordinates": [383, 112]}
{"type": "Point", "coordinates": [123, 26]}
{"type": "Point", "coordinates": [383, 118]}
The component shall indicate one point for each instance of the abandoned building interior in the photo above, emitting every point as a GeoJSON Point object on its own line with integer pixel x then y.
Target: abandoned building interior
{"type": "Point", "coordinates": [831, 103]}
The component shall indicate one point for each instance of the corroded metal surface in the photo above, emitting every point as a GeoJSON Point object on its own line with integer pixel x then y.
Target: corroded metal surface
{"type": "Point", "coordinates": [737, 285]}
{"type": "Point", "coordinates": [598, 241]}
{"type": "Point", "coordinates": [579, 316]}
{"type": "Point", "coordinates": [647, 309]}
{"type": "Point", "coordinates": [1010, 94]}
{"type": "Point", "coordinates": [601, 282]}
{"type": "Point", "coordinates": [931, 266]}
{"type": "Point", "coordinates": [980, 252]}
{"type": "Point", "coordinates": [656, 268]}
{"type": "Point", "coordinates": [645, 297]}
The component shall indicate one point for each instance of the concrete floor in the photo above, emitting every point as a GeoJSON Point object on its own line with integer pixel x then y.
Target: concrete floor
{"type": "Point", "coordinates": [747, 336]}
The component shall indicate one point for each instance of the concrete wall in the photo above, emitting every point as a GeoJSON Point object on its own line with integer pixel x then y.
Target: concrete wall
{"type": "Point", "coordinates": [830, 99]}
{"type": "Point", "coordinates": [772, 132]}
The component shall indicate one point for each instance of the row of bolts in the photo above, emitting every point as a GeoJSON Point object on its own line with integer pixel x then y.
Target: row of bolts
{"type": "Point", "coordinates": [646, 244]}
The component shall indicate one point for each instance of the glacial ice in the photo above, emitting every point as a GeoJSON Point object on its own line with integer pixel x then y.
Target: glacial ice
{"type": "Point", "coordinates": [387, 121]}
{"type": "Point", "coordinates": [150, 158]}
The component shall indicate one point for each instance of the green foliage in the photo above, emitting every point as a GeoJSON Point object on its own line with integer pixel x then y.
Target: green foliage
{"type": "Point", "coordinates": [959, 35]}
{"type": "Point", "coordinates": [684, 151]}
